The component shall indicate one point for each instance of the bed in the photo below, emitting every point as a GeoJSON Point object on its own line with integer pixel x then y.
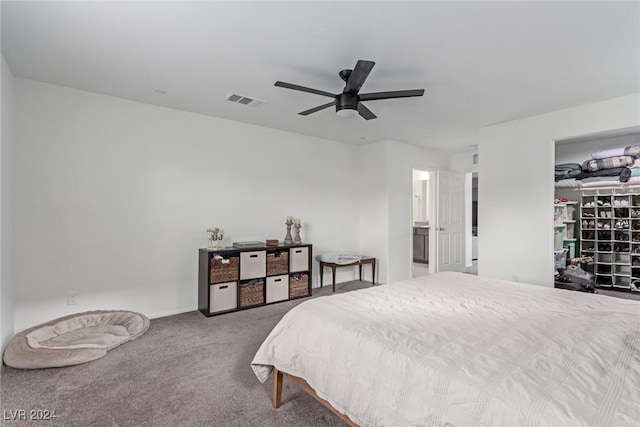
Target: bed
{"type": "Point", "coordinates": [453, 349]}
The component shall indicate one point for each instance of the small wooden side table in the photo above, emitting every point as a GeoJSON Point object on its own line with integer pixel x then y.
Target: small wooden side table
{"type": "Point", "coordinates": [364, 260]}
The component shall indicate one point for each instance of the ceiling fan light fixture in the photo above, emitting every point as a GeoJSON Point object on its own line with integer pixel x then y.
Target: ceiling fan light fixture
{"type": "Point", "coordinates": [346, 113]}
{"type": "Point", "coordinates": [346, 105]}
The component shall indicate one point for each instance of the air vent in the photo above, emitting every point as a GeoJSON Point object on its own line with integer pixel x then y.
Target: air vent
{"type": "Point", "coordinates": [245, 100]}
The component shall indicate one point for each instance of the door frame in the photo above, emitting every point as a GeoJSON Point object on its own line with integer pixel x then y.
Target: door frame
{"type": "Point", "coordinates": [433, 197]}
{"type": "Point", "coordinates": [432, 201]}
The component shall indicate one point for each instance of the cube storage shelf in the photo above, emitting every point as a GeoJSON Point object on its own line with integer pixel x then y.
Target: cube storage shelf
{"type": "Point", "coordinates": [564, 227]}
{"type": "Point", "coordinates": [610, 233]}
{"type": "Point", "coordinates": [231, 279]}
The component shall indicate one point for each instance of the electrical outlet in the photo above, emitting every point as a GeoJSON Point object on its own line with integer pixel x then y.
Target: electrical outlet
{"type": "Point", "coordinates": [72, 298]}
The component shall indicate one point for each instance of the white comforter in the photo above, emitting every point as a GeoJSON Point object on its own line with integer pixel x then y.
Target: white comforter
{"type": "Point", "coordinates": [454, 349]}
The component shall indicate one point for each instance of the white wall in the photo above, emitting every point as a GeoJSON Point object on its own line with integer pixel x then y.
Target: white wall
{"type": "Point", "coordinates": [6, 278]}
{"type": "Point", "coordinates": [112, 198]}
{"type": "Point", "coordinates": [463, 161]}
{"type": "Point", "coordinates": [386, 187]}
{"type": "Point", "coordinates": [515, 208]}
{"type": "Point", "coordinates": [374, 205]}
{"type": "Point", "coordinates": [403, 158]}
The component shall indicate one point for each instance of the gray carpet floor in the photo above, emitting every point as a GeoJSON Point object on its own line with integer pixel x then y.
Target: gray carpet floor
{"type": "Point", "coordinates": [187, 370]}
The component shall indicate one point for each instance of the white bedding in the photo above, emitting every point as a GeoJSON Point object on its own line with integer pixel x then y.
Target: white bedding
{"type": "Point", "coordinates": [454, 349]}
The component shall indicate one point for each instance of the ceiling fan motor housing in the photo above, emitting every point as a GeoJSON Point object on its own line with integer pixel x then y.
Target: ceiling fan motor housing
{"type": "Point", "coordinates": [346, 101]}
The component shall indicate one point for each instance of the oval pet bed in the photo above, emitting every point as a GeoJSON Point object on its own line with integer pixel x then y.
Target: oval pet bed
{"type": "Point", "coordinates": [73, 339]}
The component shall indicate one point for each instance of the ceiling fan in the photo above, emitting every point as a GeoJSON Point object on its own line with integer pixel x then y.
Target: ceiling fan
{"type": "Point", "coordinates": [349, 102]}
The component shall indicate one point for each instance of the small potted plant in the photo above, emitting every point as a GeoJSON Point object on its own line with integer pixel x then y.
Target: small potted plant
{"type": "Point", "coordinates": [214, 236]}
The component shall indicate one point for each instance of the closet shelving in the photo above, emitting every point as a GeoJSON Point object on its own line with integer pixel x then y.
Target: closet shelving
{"type": "Point", "coordinates": [610, 233]}
{"type": "Point", "coordinates": [565, 225]}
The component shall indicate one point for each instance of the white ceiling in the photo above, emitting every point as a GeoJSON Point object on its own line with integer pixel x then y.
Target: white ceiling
{"type": "Point", "coordinates": [481, 63]}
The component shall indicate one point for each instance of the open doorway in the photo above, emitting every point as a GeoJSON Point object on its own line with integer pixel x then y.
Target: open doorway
{"type": "Point", "coordinates": [472, 223]}
{"type": "Point", "coordinates": [438, 221]}
{"type": "Point", "coordinates": [421, 214]}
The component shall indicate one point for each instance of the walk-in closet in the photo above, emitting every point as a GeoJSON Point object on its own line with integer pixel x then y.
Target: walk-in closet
{"type": "Point", "coordinates": [597, 209]}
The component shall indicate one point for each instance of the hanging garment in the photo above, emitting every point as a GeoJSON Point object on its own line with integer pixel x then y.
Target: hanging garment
{"type": "Point", "coordinates": [567, 170]}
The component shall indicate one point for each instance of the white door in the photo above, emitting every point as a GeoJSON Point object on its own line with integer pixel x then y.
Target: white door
{"type": "Point", "coordinates": [449, 227]}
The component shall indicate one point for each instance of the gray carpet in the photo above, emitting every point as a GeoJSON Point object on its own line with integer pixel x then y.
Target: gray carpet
{"type": "Point", "coordinates": [187, 370]}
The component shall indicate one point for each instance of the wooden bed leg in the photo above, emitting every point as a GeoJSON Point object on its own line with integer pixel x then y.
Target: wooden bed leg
{"type": "Point", "coordinates": [277, 388]}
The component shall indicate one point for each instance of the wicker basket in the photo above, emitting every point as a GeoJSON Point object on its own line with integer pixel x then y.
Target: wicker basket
{"type": "Point", "coordinates": [252, 293]}
{"type": "Point", "coordinates": [298, 285]}
{"type": "Point", "coordinates": [224, 270]}
{"type": "Point", "coordinates": [277, 263]}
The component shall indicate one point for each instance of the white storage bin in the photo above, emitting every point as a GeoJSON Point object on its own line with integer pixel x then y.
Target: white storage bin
{"type": "Point", "coordinates": [622, 258]}
{"type": "Point", "coordinates": [253, 264]}
{"type": "Point", "coordinates": [624, 270]}
{"type": "Point", "coordinates": [621, 282]}
{"type": "Point", "coordinates": [223, 297]}
{"type": "Point", "coordinates": [604, 258]}
{"type": "Point", "coordinates": [277, 288]}
{"type": "Point", "coordinates": [298, 259]}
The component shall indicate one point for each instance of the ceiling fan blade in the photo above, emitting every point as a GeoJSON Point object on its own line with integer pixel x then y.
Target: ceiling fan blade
{"type": "Point", "coordinates": [393, 94]}
{"type": "Point", "coordinates": [318, 108]}
{"type": "Point", "coordinates": [365, 112]}
{"type": "Point", "coordinates": [358, 76]}
{"type": "Point", "coordinates": [304, 89]}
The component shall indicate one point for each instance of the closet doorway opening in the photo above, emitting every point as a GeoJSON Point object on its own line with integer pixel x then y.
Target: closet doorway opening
{"type": "Point", "coordinates": [422, 213]}
{"type": "Point", "coordinates": [471, 234]}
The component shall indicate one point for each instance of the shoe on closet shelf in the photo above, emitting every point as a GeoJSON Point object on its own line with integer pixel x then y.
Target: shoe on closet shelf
{"type": "Point", "coordinates": [616, 203]}
{"type": "Point", "coordinates": [592, 224]}
{"type": "Point", "coordinates": [585, 224]}
{"type": "Point", "coordinates": [606, 205]}
{"type": "Point", "coordinates": [624, 203]}
{"type": "Point", "coordinates": [608, 214]}
{"type": "Point", "coordinates": [607, 226]}
{"type": "Point", "coordinates": [600, 203]}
